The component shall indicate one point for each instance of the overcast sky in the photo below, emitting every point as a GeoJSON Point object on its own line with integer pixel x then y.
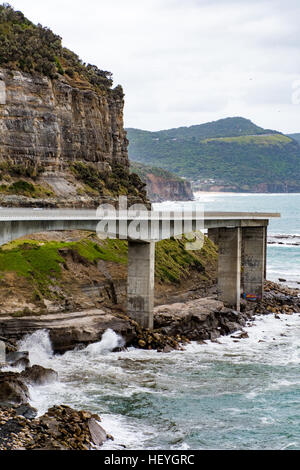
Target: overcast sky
{"type": "Point", "coordinates": [185, 62]}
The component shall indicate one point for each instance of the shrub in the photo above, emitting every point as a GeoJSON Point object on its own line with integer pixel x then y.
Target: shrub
{"type": "Point", "coordinates": [34, 48]}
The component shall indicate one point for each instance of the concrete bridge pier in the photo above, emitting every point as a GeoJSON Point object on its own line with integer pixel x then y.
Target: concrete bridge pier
{"type": "Point", "coordinates": [254, 260]}
{"type": "Point", "coordinates": [140, 288]}
{"type": "Point", "coordinates": [229, 266]}
{"type": "Point", "coordinates": [265, 252]}
{"type": "Point", "coordinates": [213, 235]}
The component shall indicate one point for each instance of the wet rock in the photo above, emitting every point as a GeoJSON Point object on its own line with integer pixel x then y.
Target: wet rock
{"type": "Point", "coordinates": [12, 389]}
{"type": "Point", "coordinates": [98, 434]}
{"type": "Point", "coordinates": [241, 335]}
{"type": "Point", "coordinates": [27, 411]}
{"type": "Point", "coordinates": [214, 335]}
{"type": "Point", "coordinates": [38, 375]}
{"type": "Point", "coordinates": [10, 345]}
{"type": "Point", "coordinates": [68, 330]}
{"type": "Point", "coordinates": [61, 428]}
{"type": "Point", "coordinates": [19, 358]}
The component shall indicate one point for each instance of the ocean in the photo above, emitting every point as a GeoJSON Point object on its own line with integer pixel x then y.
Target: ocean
{"type": "Point", "coordinates": [227, 395]}
{"type": "Point", "coordinates": [283, 234]}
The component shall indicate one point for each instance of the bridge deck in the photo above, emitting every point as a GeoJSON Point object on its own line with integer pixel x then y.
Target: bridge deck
{"type": "Point", "coordinates": [15, 214]}
{"type": "Point", "coordinates": [237, 234]}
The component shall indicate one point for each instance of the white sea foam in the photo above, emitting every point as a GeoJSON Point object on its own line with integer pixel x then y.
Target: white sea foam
{"type": "Point", "coordinates": [95, 376]}
{"type": "Point", "coordinates": [39, 346]}
{"type": "Point", "coordinates": [109, 341]}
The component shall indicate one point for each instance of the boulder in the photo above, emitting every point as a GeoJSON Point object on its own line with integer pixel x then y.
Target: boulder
{"type": "Point", "coordinates": [20, 358]}
{"type": "Point", "coordinates": [38, 375]}
{"type": "Point", "coordinates": [199, 319]}
{"type": "Point", "coordinates": [13, 390]}
{"type": "Point", "coordinates": [27, 411]}
{"type": "Point", "coordinates": [98, 435]}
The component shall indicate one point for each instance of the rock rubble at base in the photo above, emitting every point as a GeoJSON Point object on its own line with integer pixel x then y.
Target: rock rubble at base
{"type": "Point", "coordinates": [207, 319]}
{"type": "Point", "coordinates": [61, 428]}
{"type": "Point", "coordinates": [278, 299]}
{"type": "Point", "coordinates": [176, 324]}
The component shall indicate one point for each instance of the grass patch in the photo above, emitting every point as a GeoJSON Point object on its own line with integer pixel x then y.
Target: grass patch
{"type": "Point", "coordinates": [174, 263]}
{"type": "Point", "coordinates": [42, 262]}
{"type": "Point", "coordinates": [268, 139]}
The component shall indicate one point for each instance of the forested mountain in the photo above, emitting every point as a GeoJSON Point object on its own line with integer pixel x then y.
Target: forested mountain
{"type": "Point", "coordinates": [295, 137]}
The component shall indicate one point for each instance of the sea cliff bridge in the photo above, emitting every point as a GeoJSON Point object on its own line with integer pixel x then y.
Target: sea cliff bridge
{"type": "Point", "coordinates": [240, 236]}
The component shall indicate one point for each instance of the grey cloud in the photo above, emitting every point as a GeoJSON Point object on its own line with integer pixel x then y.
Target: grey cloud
{"type": "Point", "coordinates": [181, 61]}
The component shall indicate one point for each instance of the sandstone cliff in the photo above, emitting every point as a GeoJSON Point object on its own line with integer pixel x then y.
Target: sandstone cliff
{"type": "Point", "coordinates": [56, 122]}
{"type": "Point", "coordinates": [161, 185]}
{"type": "Point", "coordinates": [49, 126]}
{"type": "Point", "coordinates": [62, 139]}
{"type": "Point", "coordinates": [163, 189]}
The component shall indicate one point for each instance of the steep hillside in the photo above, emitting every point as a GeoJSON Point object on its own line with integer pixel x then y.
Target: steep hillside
{"type": "Point", "coordinates": [62, 139]}
{"type": "Point", "coordinates": [163, 185]}
{"type": "Point", "coordinates": [295, 137]}
{"type": "Point", "coordinates": [231, 154]}
{"type": "Point", "coordinates": [65, 271]}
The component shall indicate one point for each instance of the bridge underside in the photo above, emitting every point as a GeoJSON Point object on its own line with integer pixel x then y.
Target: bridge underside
{"type": "Point", "coordinates": [242, 262]}
{"type": "Point", "coordinates": [241, 268]}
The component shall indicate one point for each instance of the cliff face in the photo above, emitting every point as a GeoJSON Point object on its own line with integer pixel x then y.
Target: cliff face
{"type": "Point", "coordinates": [162, 189]}
{"type": "Point", "coordinates": [52, 123]}
{"type": "Point", "coordinates": [161, 185]}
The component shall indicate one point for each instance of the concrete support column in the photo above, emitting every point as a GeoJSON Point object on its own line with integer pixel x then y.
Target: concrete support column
{"type": "Point", "coordinates": [140, 288]}
{"type": "Point", "coordinates": [265, 253]}
{"type": "Point", "coordinates": [229, 269]}
{"type": "Point", "coordinates": [213, 235]}
{"type": "Point", "coordinates": [254, 256]}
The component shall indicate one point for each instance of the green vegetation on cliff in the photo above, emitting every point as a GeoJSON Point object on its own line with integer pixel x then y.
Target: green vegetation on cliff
{"type": "Point", "coordinates": [143, 170]}
{"type": "Point", "coordinates": [42, 263]}
{"type": "Point", "coordinates": [23, 188]}
{"type": "Point", "coordinates": [115, 183]}
{"type": "Point", "coordinates": [174, 263]}
{"type": "Point", "coordinates": [232, 151]}
{"type": "Point", "coordinates": [34, 48]}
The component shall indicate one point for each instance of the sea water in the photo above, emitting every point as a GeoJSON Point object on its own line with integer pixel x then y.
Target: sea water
{"type": "Point", "coordinates": [234, 394]}
{"type": "Point", "coordinates": [283, 232]}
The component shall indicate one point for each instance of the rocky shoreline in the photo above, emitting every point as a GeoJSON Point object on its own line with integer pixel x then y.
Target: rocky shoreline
{"type": "Point", "coordinates": [61, 428]}
{"type": "Point", "coordinates": [176, 324]}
